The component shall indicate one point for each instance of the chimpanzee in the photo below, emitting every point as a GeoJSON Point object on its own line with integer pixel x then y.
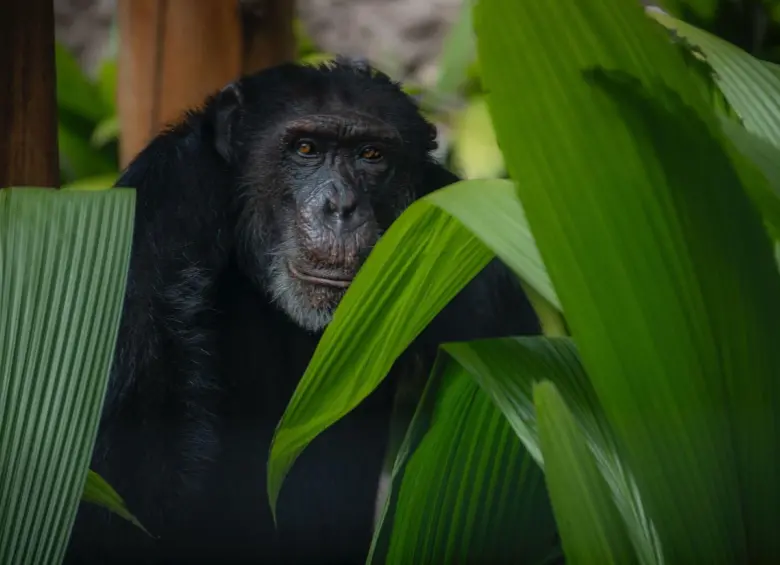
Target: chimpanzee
{"type": "Point", "coordinates": [253, 215]}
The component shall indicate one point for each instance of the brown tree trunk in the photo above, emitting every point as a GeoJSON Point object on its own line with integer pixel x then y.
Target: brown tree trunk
{"type": "Point", "coordinates": [28, 100]}
{"type": "Point", "coordinates": [173, 54]}
{"type": "Point", "coordinates": [269, 37]}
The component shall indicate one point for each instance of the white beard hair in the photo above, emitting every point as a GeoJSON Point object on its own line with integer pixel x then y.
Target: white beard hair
{"type": "Point", "coordinates": [290, 295]}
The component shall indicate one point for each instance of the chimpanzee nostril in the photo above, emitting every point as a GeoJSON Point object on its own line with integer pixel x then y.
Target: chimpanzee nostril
{"type": "Point", "coordinates": [341, 203]}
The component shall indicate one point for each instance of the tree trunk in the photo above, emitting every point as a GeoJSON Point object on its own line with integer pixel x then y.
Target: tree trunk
{"type": "Point", "coordinates": [173, 54]}
{"type": "Point", "coordinates": [269, 37]}
{"type": "Point", "coordinates": [28, 98]}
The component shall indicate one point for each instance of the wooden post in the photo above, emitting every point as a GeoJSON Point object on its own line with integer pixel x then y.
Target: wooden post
{"type": "Point", "coordinates": [269, 36]}
{"type": "Point", "coordinates": [173, 53]}
{"type": "Point", "coordinates": [28, 99]}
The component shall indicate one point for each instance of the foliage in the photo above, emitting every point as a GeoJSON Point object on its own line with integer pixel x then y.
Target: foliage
{"type": "Point", "coordinates": [653, 207]}
{"type": "Point", "coordinates": [501, 509]}
{"type": "Point", "coordinates": [645, 211]}
{"type": "Point", "coordinates": [88, 126]}
{"type": "Point", "coordinates": [63, 268]}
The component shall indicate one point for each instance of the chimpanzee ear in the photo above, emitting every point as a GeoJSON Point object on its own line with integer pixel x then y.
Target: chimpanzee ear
{"type": "Point", "coordinates": [228, 105]}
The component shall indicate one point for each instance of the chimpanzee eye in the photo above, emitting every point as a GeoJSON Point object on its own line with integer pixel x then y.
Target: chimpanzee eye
{"type": "Point", "coordinates": [305, 148]}
{"type": "Point", "coordinates": [370, 153]}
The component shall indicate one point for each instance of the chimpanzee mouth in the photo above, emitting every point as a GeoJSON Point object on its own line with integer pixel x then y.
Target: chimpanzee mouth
{"type": "Point", "coordinates": [325, 278]}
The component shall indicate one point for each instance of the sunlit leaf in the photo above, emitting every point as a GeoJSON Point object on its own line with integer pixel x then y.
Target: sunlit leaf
{"type": "Point", "coordinates": [316, 58]}
{"type": "Point", "coordinates": [492, 212]}
{"type": "Point", "coordinates": [106, 131]}
{"type": "Point", "coordinates": [99, 182]}
{"type": "Point", "coordinates": [475, 151]}
{"type": "Point", "coordinates": [98, 491]}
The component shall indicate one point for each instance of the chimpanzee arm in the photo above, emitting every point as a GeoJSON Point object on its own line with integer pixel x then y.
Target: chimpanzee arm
{"type": "Point", "coordinates": [157, 426]}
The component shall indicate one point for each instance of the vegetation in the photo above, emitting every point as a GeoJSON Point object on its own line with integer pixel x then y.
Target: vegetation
{"type": "Point", "coordinates": [643, 218]}
{"type": "Point", "coordinates": [63, 266]}
{"type": "Point", "coordinates": [641, 211]}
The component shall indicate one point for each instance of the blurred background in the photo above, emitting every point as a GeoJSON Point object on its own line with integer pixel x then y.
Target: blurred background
{"type": "Point", "coordinates": [127, 67]}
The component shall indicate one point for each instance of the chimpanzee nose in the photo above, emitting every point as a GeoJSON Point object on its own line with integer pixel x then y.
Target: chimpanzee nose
{"type": "Point", "coordinates": [341, 206]}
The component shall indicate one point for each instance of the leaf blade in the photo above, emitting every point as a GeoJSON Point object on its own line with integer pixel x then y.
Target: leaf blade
{"type": "Point", "coordinates": [465, 490]}
{"type": "Point", "coordinates": [63, 267]}
{"type": "Point", "coordinates": [507, 369]}
{"type": "Point", "coordinates": [653, 273]}
{"type": "Point", "coordinates": [97, 491]}
{"type": "Point", "coordinates": [426, 257]}
{"type": "Point", "coordinates": [591, 528]}
{"type": "Point", "coordinates": [390, 301]}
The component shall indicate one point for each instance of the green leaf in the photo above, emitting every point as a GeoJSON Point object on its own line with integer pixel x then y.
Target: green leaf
{"type": "Point", "coordinates": [475, 151]}
{"type": "Point", "coordinates": [591, 528]}
{"type": "Point", "coordinates": [316, 58]}
{"type": "Point", "coordinates": [752, 90]}
{"type": "Point", "coordinates": [705, 10]}
{"type": "Point", "coordinates": [98, 491]}
{"type": "Point", "coordinates": [305, 44]}
{"type": "Point", "coordinates": [774, 67]}
{"type": "Point", "coordinates": [98, 182]}
{"type": "Point", "coordinates": [75, 92]}
{"type": "Point", "coordinates": [765, 191]}
{"type": "Point", "coordinates": [106, 131]}
{"type": "Point", "coordinates": [78, 158]}
{"type": "Point", "coordinates": [424, 259]}
{"type": "Point", "coordinates": [492, 212]}
{"type": "Point", "coordinates": [507, 369]}
{"type": "Point", "coordinates": [391, 300]}
{"type": "Point", "coordinates": [63, 268]}
{"type": "Point", "coordinates": [457, 54]}
{"type": "Point", "coordinates": [106, 84]}
{"type": "Point", "coordinates": [465, 490]}
{"type": "Point", "coordinates": [659, 259]}
{"type": "Point", "coordinates": [750, 86]}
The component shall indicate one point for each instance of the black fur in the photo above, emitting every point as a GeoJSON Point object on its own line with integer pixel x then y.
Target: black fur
{"type": "Point", "coordinates": [206, 361]}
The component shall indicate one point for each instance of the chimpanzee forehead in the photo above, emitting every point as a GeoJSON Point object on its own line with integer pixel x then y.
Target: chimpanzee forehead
{"type": "Point", "coordinates": [330, 86]}
{"type": "Point", "coordinates": [367, 100]}
{"type": "Point", "coordinates": [343, 124]}
{"type": "Point", "coordinates": [347, 100]}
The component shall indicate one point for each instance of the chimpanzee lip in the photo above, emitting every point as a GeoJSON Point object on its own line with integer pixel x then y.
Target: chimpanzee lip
{"type": "Point", "coordinates": [339, 280]}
